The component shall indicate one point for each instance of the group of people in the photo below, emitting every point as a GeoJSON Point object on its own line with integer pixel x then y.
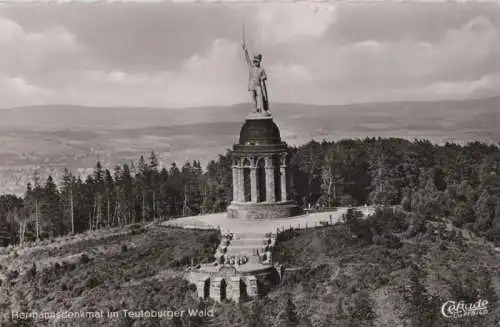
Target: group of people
{"type": "Point", "coordinates": [264, 252]}
{"type": "Point", "coordinates": [237, 260]}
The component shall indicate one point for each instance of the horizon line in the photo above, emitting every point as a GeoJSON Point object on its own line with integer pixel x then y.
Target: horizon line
{"type": "Point", "coordinates": [245, 103]}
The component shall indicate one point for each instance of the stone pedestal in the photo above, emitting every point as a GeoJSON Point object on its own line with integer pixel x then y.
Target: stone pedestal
{"type": "Point", "coordinates": [233, 283]}
{"type": "Point", "coordinates": [259, 115]}
{"type": "Point", "coordinates": [262, 210]}
{"type": "Point", "coordinates": [260, 150]}
{"type": "Point", "coordinates": [216, 293]}
{"type": "Point", "coordinates": [234, 292]}
{"type": "Point", "coordinates": [269, 259]}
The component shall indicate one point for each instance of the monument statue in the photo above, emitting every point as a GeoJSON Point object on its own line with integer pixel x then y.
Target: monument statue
{"type": "Point", "coordinates": [256, 81]}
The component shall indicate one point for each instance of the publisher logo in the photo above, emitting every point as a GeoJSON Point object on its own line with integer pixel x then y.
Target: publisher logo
{"type": "Point", "coordinates": [460, 309]}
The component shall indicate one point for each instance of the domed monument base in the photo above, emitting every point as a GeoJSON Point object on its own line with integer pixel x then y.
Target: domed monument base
{"type": "Point", "coordinates": [261, 211]}
{"type": "Point", "coordinates": [260, 173]}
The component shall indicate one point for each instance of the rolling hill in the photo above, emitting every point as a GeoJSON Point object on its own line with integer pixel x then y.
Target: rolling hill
{"type": "Point", "coordinates": [53, 137]}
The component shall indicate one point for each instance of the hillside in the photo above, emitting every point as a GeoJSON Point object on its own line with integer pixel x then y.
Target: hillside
{"type": "Point", "coordinates": [134, 268]}
{"type": "Point", "coordinates": [390, 270]}
{"type": "Point", "coordinates": [52, 138]}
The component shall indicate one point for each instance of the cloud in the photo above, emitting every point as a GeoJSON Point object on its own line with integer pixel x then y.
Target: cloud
{"type": "Point", "coordinates": [54, 38]}
{"type": "Point", "coordinates": [485, 86]}
{"type": "Point", "coordinates": [19, 86]}
{"type": "Point", "coordinates": [468, 52]}
{"type": "Point", "coordinates": [313, 53]}
{"type": "Point", "coordinates": [282, 23]}
{"type": "Point", "coordinates": [27, 57]}
{"type": "Point", "coordinates": [213, 77]}
{"type": "Point", "coordinates": [229, 1]}
{"type": "Point", "coordinates": [16, 89]}
{"type": "Point", "coordinates": [293, 74]}
{"type": "Point", "coordinates": [35, 54]}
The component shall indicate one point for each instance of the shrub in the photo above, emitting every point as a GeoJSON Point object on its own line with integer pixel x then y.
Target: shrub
{"type": "Point", "coordinates": [84, 258]}
{"type": "Point", "coordinates": [390, 241]}
{"type": "Point", "coordinates": [11, 275]}
{"type": "Point", "coordinates": [32, 271]}
{"type": "Point", "coordinates": [124, 248]}
{"type": "Point", "coordinates": [92, 282]}
{"type": "Point", "coordinates": [136, 229]}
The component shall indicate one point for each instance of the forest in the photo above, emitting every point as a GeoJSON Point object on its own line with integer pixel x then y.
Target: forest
{"type": "Point", "coordinates": [450, 181]}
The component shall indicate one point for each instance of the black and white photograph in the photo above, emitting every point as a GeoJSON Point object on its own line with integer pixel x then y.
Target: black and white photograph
{"type": "Point", "coordinates": [248, 163]}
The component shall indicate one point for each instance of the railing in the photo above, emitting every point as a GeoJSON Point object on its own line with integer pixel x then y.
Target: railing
{"type": "Point", "coordinates": [319, 209]}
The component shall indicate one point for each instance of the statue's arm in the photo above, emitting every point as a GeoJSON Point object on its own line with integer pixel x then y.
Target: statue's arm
{"type": "Point", "coordinates": [247, 56]}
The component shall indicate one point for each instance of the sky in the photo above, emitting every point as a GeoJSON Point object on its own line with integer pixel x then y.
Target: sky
{"type": "Point", "coordinates": [189, 54]}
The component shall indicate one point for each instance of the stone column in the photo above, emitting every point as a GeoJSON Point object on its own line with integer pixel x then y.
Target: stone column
{"type": "Point", "coordinates": [241, 182]}
{"type": "Point", "coordinates": [283, 178]}
{"type": "Point", "coordinates": [235, 182]}
{"type": "Point", "coordinates": [270, 187]}
{"type": "Point", "coordinates": [284, 194]}
{"type": "Point", "coordinates": [253, 182]}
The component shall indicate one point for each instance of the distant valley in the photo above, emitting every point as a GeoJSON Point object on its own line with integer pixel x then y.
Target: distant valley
{"type": "Point", "coordinates": [50, 138]}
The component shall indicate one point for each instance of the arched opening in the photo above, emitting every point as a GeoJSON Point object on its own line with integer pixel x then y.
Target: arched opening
{"type": "Point", "coordinates": [243, 290]}
{"type": "Point", "coordinates": [206, 288]}
{"type": "Point", "coordinates": [246, 185]}
{"type": "Point", "coordinates": [277, 179]}
{"type": "Point", "coordinates": [261, 180]}
{"type": "Point", "coordinates": [247, 195]}
{"type": "Point", "coordinates": [223, 289]}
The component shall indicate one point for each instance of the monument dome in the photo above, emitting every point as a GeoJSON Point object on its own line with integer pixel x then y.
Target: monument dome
{"type": "Point", "coordinates": [259, 132]}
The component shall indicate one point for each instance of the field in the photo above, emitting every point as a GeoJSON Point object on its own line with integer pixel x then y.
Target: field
{"type": "Point", "coordinates": [50, 138]}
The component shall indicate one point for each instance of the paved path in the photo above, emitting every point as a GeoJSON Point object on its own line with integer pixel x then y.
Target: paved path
{"type": "Point", "coordinates": [247, 227]}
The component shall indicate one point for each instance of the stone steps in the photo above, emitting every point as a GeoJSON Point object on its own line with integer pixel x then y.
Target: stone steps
{"type": "Point", "coordinates": [246, 244]}
{"type": "Point", "coordinates": [247, 254]}
{"type": "Point", "coordinates": [249, 235]}
{"type": "Point", "coordinates": [248, 251]}
{"type": "Point", "coordinates": [255, 242]}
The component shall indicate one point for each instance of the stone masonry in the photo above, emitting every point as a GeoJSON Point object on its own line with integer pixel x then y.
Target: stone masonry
{"type": "Point", "coordinates": [241, 260]}
{"type": "Point", "coordinates": [260, 172]}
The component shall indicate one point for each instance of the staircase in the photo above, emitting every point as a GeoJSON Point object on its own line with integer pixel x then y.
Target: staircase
{"type": "Point", "coordinates": [246, 248]}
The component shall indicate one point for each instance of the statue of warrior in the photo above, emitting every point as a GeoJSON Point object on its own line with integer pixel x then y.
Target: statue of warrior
{"type": "Point", "coordinates": [256, 81]}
